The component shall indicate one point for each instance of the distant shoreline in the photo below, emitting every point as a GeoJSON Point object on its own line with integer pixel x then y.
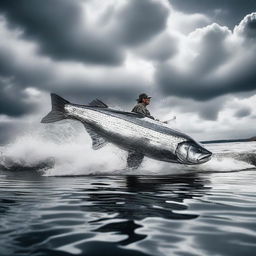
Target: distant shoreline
{"type": "Point", "coordinates": [229, 141]}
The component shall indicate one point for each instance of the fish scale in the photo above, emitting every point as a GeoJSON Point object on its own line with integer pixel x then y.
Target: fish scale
{"type": "Point", "coordinates": [122, 127]}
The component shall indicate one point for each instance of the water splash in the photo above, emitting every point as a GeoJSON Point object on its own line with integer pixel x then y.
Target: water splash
{"type": "Point", "coordinates": [65, 150]}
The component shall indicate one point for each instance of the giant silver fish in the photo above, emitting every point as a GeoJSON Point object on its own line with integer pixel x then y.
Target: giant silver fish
{"type": "Point", "coordinates": [139, 135]}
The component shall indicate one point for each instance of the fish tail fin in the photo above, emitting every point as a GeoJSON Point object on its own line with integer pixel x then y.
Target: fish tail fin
{"type": "Point", "coordinates": [58, 109]}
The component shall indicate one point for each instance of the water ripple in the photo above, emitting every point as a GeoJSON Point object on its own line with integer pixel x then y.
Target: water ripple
{"type": "Point", "coordinates": [189, 214]}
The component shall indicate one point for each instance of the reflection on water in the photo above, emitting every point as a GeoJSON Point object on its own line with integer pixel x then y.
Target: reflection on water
{"type": "Point", "coordinates": [147, 197]}
{"type": "Point", "coordinates": [143, 197]}
{"type": "Point", "coordinates": [132, 215]}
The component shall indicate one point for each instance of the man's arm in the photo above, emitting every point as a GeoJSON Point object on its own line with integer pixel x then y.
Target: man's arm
{"type": "Point", "coordinates": [148, 114]}
{"type": "Point", "coordinates": [142, 110]}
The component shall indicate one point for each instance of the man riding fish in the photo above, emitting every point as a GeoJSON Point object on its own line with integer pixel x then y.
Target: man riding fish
{"type": "Point", "coordinates": [137, 133]}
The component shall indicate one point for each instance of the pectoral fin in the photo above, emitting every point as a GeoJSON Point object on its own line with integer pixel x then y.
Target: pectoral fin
{"type": "Point", "coordinates": [97, 141]}
{"type": "Point", "coordinates": [134, 159]}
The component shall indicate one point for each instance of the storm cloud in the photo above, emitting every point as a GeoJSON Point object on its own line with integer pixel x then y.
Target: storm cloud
{"type": "Point", "coordinates": [219, 62]}
{"type": "Point", "coordinates": [224, 12]}
{"type": "Point", "coordinates": [134, 27]}
{"type": "Point", "coordinates": [22, 65]}
{"type": "Point", "coordinates": [13, 102]}
{"type": "Point", "coordinates": [243, 112]}
{"type": "Point", "coordinates": [196, 56]}
{"type": "Point", "coordinates": [58, 27]}
{"type": "Point", "coordinates": [160, 49]}
{"type": "Point", "coordinates": [63, 30]}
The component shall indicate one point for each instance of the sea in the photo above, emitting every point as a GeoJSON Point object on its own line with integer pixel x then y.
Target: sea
{"type": "Point", "coordinates": [60, 197]}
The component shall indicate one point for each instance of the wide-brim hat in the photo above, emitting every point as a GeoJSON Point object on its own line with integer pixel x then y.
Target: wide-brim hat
{"type": "Point", "coordinates": [143, 96]}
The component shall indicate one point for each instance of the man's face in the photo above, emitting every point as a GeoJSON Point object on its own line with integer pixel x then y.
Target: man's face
{"type": "Point", "coordinates": [146, 101]}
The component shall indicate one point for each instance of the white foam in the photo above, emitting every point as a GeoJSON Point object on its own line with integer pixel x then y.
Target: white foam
{"type": "Point", "coordinates": [67, 146]}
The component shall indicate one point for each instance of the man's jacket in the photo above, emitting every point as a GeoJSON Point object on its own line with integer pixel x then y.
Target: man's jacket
{"type": "Point", "coordinates": [141, 108]}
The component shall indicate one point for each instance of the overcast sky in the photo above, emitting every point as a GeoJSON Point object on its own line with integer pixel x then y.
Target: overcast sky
{"type": "Point", "coordinates": [196, 58]}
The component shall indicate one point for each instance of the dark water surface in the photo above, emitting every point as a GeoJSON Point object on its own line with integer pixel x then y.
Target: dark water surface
{"type": "Point", "coordinates": [189, 214]}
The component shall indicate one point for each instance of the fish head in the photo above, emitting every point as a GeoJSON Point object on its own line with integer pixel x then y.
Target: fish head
{"type": "Point", "coordinates": [191, 152]}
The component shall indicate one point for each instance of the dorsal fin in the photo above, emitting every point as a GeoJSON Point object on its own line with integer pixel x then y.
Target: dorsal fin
{"type": "Point", "coordinates": [97, 141]}
{"type": "Point", "coordinates": [98, 103]}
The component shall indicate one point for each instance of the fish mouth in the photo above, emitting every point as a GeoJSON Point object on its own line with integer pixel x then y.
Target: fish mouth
{"type": "Point", "coordinates": [205, 157]}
